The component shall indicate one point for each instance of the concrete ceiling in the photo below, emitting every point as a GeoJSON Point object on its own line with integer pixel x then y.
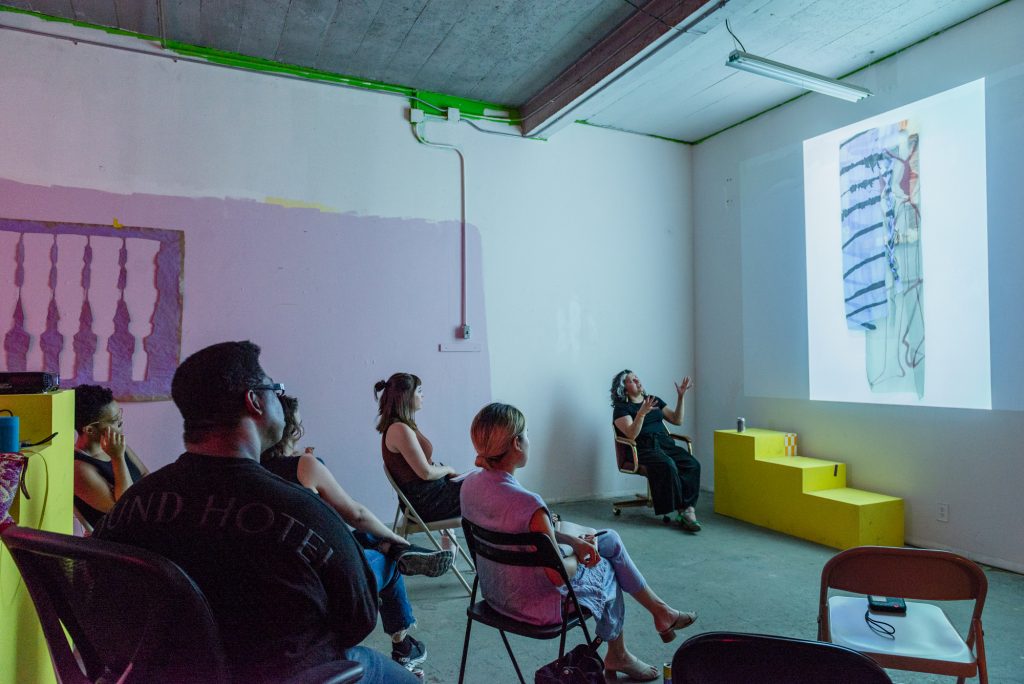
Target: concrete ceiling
{"type": "Point", "coordinates": [657, 70]}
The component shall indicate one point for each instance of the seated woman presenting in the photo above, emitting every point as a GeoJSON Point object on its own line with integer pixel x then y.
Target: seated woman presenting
{"type": "Point", "coordinates": [105, 467]}
{"type": "Point", "coordinates": [388, 555]}
{"type": "Point", "coordinates": [599, 571]}
{"type": "Point", "coordinates": [672, 471]}
{"type": "Point", "coordinates": [408, 454]}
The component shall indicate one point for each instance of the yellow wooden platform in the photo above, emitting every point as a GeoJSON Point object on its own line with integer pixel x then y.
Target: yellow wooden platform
{"type": "Point", "coordinates": [805, 497]}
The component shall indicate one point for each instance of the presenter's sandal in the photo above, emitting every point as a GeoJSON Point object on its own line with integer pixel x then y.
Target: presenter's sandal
{"type": "Point", "coordinates": [683, 621]}
{"type": "Point", "coordinates": [637, 671]}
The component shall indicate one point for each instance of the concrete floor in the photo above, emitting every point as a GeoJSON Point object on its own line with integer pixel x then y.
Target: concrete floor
{"type": "Point", "coordinates": [737, 576]}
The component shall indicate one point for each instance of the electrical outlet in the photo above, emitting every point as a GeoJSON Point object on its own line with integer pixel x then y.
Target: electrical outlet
{"type": "Point", "coordinates": [943, 513]}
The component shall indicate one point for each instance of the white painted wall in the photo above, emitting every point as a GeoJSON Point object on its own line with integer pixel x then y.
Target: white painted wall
{"type": "Point", "coordinates": [586, 239]}
{"type": "Point", "coordinates": [968, 459]}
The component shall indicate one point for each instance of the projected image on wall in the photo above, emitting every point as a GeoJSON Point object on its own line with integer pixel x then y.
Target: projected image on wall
{"type": "Point", "coordinates": [894, 209]}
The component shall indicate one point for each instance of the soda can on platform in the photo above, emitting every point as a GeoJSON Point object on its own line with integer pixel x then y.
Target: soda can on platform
{"type": "Point", "coordinates": [741, 424]}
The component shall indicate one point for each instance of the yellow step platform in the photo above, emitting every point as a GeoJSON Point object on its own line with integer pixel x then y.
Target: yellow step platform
{"type": "Point", "coordinates": [805, 497]}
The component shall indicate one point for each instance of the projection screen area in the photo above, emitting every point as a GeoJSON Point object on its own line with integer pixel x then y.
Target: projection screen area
{"type": "Point", "coordinates": [896, 236]}
{"type": "Point", "coordinates": [878, 258]}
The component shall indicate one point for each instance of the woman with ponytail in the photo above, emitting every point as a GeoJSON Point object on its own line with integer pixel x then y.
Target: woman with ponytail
{"type": "Point", "coordinates": [408, 454]}
{"type": "Point", "coordinates": [600, 569]}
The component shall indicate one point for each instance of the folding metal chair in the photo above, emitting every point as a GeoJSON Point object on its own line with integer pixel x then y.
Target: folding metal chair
{"type": "Point", "coordinates": [406, 519]}
{"type": "Point", "coordinates": [924, 640]}
{"type": "Point", "coordinates": [526, 549]}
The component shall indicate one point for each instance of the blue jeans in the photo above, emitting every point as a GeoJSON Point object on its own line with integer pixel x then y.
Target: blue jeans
{"type": "Point", "coordinates": [395, 609]}
{"type": "Point", "coordinates": [379, 668]}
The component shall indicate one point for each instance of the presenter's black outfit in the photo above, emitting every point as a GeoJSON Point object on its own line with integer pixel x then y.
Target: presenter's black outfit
{"type": "Point", "coordinates": [672, 471]}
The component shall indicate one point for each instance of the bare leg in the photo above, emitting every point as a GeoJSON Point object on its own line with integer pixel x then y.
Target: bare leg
{"type": "Point", "coordinates": [664, 615]}
{"type": "Point", "coordinates": [618, 659]}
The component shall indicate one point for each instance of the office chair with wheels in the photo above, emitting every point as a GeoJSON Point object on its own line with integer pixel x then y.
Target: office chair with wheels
{"type": "Point", "coordinates": [629, 463]}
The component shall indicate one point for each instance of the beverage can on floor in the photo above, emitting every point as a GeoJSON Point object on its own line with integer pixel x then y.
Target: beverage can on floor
{"type": "Point", "coordinates": [666, 673]}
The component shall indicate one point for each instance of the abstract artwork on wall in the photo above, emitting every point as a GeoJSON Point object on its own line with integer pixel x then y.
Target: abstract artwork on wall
{"type": "Point", "coordinates": [883, 283]}
{"type": "Point", "coordinates": [96, 304]}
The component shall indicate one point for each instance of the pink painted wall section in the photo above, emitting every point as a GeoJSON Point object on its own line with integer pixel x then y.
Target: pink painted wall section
{"type": "Point", "coordinates": [336, 301]}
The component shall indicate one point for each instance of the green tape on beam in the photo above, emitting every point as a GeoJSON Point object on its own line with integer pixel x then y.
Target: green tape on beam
{"type": "Point", "coordinates": [469, 108]}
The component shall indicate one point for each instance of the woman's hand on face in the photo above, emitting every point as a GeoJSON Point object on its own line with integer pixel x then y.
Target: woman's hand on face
{"type": "Point", "coordinates": [683, 387]}
{"type": "Point", "coordinates": [646, 407]}
{"type": "Point", "coordinates": [112, 442]}
{"type": "Point", "coordinates": [585, 548]}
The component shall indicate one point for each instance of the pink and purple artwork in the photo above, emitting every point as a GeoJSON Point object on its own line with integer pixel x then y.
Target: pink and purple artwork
{"type": "Point", "coordinates": [95, 304]}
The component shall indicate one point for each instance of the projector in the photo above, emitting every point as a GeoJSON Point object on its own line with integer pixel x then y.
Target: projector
{"type": "Point", "coordinates": [28, 383]}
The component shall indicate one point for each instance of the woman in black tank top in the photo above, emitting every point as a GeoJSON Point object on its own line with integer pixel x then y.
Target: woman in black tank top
{"type": "Point", "coordinates": [105, 467]}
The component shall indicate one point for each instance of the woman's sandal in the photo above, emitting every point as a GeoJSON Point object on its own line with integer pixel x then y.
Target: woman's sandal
{"type": "Point", "coordinates": [682, 622]}
{"type": "Point", "coordinates": [638, 671]}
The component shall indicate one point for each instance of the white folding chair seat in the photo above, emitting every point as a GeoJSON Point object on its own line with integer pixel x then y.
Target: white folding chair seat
{"type": "Point", "coordinates": [924, 634]}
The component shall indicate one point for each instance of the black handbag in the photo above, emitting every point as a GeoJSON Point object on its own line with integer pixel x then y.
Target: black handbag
{"type": "Point", "coordinates": [581, 665]}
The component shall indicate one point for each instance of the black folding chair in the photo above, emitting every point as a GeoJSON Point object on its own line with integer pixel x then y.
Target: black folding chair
{"type": "Point", "coordinates": [132, 615]}
{"type": "Point", "coordinates": [736, 658]}
{"type": "Point", "coordinates": [526, 549]}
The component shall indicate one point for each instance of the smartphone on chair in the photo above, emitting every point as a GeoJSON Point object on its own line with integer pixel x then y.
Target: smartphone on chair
{"type": "Point", "coordinates": [887, 604]}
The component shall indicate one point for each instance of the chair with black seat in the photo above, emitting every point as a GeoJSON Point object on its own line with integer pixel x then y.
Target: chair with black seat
{"type": "Point", "coordinates": [132, 615]}
{"type": "Point", "coordinates": [525, 549]}
{"type": "Point", "coordinates": [922, 639]}
{"type": "Point", "coordinates": [737, 658]}
{"type": "Point", "coordinates": [629, 463]}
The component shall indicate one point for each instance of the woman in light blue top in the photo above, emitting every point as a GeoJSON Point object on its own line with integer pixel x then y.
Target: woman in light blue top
{"type": "Point", "coordinates": [599, 570]}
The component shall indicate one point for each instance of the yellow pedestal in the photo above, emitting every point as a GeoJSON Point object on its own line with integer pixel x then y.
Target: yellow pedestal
{"type": "Point", "coordinates": [50, 482]}
{"type": "Point", "coordinates": [808, 498]}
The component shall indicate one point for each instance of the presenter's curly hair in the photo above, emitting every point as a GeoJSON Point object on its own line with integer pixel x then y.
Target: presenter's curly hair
{"type": "Point", "coordinates": [90, 400]}
{"type": "Point", "coordinates": [395, 400]}
{"type": "Point", "coordinates": [293, 430]}
{"type": "Point", "coordinates": [208, 387]}
{"type": "Point", "coordinates": [618, 391]}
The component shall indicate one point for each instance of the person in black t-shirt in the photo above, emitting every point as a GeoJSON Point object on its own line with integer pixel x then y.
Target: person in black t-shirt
{"type": "Point", "coordinates": [672, 471]}
{"type": "Point", "coordinates": [105, 467]}
{"type": "Point", "coordinates": [287, 583]}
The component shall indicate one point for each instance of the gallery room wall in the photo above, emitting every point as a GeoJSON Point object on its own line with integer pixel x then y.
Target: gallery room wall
{"type": "Point", "coordinates": [752, 340]}
{"type": "Point", "coordinates": [317, 226]}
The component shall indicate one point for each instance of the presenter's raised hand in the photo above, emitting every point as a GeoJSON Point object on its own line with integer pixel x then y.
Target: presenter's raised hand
{"type": "Point", "coordinates": [683, 387]}
{"type": "Point", "coordinates": [646, 407]}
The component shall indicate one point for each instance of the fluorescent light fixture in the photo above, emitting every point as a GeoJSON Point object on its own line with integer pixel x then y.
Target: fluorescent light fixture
{"type": "Point", "coordinates": [793, 76]}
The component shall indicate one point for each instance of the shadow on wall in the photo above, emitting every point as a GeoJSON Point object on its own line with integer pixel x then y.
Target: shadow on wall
{"type": "Point", "coordinates": [566, 461]}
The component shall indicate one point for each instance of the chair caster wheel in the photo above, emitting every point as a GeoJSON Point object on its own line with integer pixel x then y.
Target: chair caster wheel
{"type": "Point", "coordinates": [665, 519]}
{"type": "Point", "coordinates": [616, 511]}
